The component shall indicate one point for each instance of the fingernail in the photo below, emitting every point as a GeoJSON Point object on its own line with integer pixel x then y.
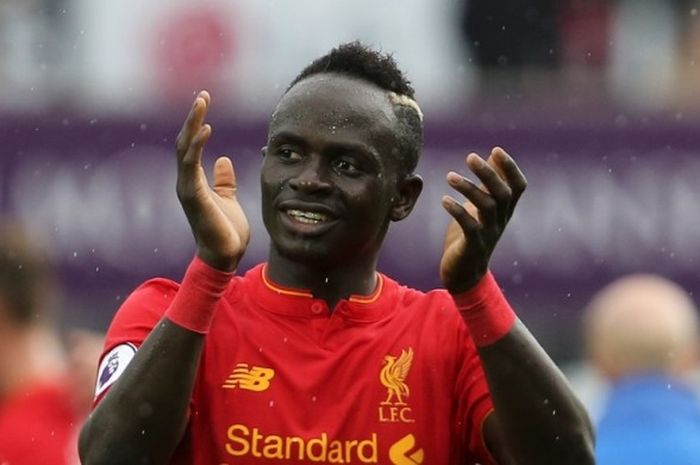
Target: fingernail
{"type": "Point", "coordinates": [453, 177]}
{"type": "Point", "coordinates": [501, 153]}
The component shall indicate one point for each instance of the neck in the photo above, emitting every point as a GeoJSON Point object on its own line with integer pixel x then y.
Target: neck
{"type": "Point", "coordinates": [27, 356]}
{"type": "Point", "coordinates": [328, 281]}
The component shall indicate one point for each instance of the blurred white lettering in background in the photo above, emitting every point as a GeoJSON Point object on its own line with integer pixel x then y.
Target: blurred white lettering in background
{"type": "Point", "coordinates": [123, 210]}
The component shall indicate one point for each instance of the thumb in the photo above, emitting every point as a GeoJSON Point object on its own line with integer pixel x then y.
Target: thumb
{"type": "Point", "coordinates": [224, 178]}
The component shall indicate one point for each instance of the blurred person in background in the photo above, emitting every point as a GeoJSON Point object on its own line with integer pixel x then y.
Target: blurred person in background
{"type": "Point", "coordinates": [641, 333]}
{"type": "Point", "coordinates": [45, 390]}
{"type": "Point", "coordinates": [314, 356]}
{"type": "Point", "coordinates": [508, 38]}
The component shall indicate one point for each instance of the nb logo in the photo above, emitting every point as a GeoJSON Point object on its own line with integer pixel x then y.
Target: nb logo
{"type": "Point", "coordinates": [403, 453]}
{"type": "Point", "coordinates": [252, 379]}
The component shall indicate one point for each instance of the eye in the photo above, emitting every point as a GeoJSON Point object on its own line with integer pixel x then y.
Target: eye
{"type": "Point", "coordinates": [288, 154]}
{"type": "Point", "coordinates": [345, 166]}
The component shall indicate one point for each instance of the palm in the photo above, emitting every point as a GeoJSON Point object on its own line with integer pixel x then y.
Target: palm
{"type": "Point", "coordinates": [237, 223]}
{"type": "Point", "coordinates": [218, 222]}
{"type": "Point", "coordinates": [223, 224]}
{"type": "Point", "coordinates": [455, 251]}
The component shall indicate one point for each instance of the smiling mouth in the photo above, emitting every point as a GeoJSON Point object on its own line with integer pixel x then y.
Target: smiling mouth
{"type": "Point", "coordinates": [307, 217]}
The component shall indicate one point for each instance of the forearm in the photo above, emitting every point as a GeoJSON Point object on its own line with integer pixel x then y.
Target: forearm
{"type": "Point", "coordinates": [537, 420]}
{"type": "Point", "coordinates": [142, 417]}
{"type": "Point", "coordinates": [537, 416]}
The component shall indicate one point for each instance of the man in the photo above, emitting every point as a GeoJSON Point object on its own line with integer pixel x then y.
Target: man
{"type": "Point", "coordinates": [642, 335]}
{"type": "Point", "coordinates": [40, 407]}
{"type": "Point", "coordinates": [314, 357]}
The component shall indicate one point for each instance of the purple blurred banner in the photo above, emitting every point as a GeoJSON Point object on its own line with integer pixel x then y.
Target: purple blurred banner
{"type": "Point", "coordinates": [603, 200]}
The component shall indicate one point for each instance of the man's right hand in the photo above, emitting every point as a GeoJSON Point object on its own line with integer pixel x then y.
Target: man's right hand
{"type": "Point", "coordinates": [218, 223]}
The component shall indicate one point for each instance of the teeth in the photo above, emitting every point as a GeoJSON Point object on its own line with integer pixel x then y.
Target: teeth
{"type": "Point", "coordinates": [307, 217]}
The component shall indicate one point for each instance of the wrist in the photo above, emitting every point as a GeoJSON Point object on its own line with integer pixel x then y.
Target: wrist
{"type": "Point", "coordinates": [195, 303]}
{"type": "Point", "coordinates": [465, 285]}
{"type": "Point", "coordinates": [485, 310]}
{"type": "Point", "coordinates": [222, 264]}
{"type": "Point", "coordinates": [463, 281]}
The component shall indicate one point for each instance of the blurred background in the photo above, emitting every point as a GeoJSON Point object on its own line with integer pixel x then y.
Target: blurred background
{"type": "Point", "coordinates": [597, 99]}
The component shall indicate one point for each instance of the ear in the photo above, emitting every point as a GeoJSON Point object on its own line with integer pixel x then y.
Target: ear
{"type": "Point", "coordinates": [263, 151]}
{"type": "Point", "coordinates": [409, 188]}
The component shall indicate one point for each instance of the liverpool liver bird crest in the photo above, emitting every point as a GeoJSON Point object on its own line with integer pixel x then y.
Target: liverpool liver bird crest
{"type": "Point", "coordinates": [393, 374]}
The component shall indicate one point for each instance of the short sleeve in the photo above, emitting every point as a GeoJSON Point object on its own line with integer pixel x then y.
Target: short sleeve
{"type": "Point", "coordinates": [132, 323]}
{"type": "Point", "coordinates": [474, 402]}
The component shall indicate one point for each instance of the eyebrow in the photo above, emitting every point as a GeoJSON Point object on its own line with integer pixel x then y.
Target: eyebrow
{"type": "Point", "coordinates": [286, 136]}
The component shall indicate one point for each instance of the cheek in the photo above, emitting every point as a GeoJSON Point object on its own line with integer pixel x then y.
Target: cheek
{"type": "Point", "coordinates": [270, 184]}
{"type": "Point", "coordinates": [375, 200]}
{"type": "Point", "coordinates": [269, 188]}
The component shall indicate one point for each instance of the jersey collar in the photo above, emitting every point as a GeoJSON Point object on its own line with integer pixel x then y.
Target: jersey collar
{"type": "Point", "coordinates": [283, 300]}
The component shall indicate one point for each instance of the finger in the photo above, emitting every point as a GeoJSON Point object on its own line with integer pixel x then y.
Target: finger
{"type": "Point", "coordinates": [190, 174]}
{"type": "Point", "coordinates": [190, 166]}
{"type": "Point", "coordinates": [193, 122]}
{"type": "Point", "coordinates": [493, 184]}
{"type": "Point", "coordinates": [495, 161]}
{"type": "Point", "coordinates": [193, 156]}
{"type": "Point", "coordinates": [483, 201]}
{"type": "Point", "coordinates": [204, 94]}
{"type": "Point", "coordinates": [492, 181]}
{"type": "Point", "coordinates": [224, 178]}
{"type": "Point", "coordinates": [511, 173]}
{"type": "Point", "coordinates": [470, 226]}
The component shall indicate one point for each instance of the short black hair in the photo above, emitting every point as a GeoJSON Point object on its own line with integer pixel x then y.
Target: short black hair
{"type": "Point", "coordinates": [360, 61]}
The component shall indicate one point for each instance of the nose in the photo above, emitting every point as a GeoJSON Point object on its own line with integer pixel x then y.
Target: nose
{"type": "Point", "coordinates": [312, 177]}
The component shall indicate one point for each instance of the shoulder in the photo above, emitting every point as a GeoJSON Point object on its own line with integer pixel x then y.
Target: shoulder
{"type": "Point", "coordinates": [150, 298]}
{"type": "Point", "coordinates": [248, 283]}
{"type": "Point", "coordinates": [433, 319]}
{"type": "Point", "coordinates": [140, 312]}
{"type": "Point", "coordinates": [38, 396]}
{"type": "Point", "coordinates": [434, 307]}
{"type": "Point", "coordinates": [155, 289]}
{"type": "Point", "coordinates": [436, 301]}
{"type": "Point", "coordinates": [35, 423]}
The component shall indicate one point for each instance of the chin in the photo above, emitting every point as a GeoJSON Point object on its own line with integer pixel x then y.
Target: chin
{"type": "Point", "coordinates": [319, 253]}
{"type": "Point", "coordinates": [307, 253]}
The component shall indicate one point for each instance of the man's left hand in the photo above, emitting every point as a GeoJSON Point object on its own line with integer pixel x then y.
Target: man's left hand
{"type": "Point", "coordinates": [480, 221]}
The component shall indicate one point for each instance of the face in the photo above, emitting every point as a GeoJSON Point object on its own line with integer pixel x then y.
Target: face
{"type": "Point", "coordinates": [329, 177]}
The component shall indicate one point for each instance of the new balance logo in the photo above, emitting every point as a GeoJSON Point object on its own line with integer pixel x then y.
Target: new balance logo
{"type": "Point", "coordinates": [403, 452]}
{"type": "Point", "coordinates": [250, 378]}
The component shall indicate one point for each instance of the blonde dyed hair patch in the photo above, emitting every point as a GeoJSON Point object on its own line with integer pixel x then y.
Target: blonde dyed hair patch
{"type": "Point", "coordinates": [405, 101]}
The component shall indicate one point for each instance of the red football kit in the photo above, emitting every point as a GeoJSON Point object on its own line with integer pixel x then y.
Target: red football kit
{"type": "Point", "coordinates": [39, 426]}
{"type": "Point", "coordinates": [391, 378]}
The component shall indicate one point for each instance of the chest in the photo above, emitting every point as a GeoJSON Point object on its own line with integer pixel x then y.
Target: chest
{"type": "Point", "coordinates": [291, 388]}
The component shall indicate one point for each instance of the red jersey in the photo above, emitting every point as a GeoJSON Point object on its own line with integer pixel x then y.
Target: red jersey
{"type": "Point", "coordinates": [391, 378]}
{"type": "Point", "coordinates": [38, 426]}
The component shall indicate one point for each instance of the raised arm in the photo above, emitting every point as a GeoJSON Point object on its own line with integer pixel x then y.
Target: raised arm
{"type": "Point", "coordinates": [142, 418]}
{"type": "Point", "coordinates": [537, 418]}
